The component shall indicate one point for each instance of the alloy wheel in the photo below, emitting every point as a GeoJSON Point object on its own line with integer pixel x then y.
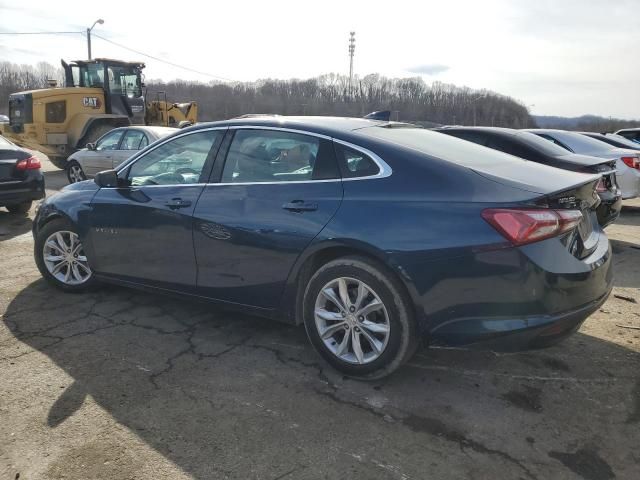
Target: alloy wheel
{"type": "Point", "coordinates": [351, 320]}
{"type": "Point", "coordinates": [76, 174]}
{"type": "Point", "coordinates": [65, 259]}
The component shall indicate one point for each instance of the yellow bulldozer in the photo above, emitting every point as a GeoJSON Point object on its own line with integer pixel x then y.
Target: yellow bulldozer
{"type": "Point", "coordinates": [98, 95]}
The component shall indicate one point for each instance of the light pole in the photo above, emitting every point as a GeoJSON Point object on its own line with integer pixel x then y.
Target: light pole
{"type": "Point", "coordinates": [100, 21]}
{"type": "Point", "coordinates": [352, 49]}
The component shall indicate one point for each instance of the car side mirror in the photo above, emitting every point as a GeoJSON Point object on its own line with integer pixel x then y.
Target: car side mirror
{"type": "Point", "coordinates": [106, 178]}
{"type": "Point", "coordinates": [91, 146]}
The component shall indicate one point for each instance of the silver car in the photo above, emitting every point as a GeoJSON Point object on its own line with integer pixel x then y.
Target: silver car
{"type": "Point", "coordinates": [627, 160]}
{"type": "Point", "coordinates": [110, 150]}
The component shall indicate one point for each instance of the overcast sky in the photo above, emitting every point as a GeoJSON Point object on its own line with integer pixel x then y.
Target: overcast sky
{"type": "Point", "coordinates": [566, 57]}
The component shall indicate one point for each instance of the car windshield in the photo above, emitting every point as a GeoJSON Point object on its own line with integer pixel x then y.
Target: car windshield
{"type": "Point", "coordinates": [581, 143]}
{"type": "Point", "coordinates": [542, 145]}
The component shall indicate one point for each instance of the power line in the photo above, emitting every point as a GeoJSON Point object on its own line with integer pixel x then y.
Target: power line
{"type": "Point", "coordinates": [138, 52]}
{"type": "Point", "coordinates": [37, 33]}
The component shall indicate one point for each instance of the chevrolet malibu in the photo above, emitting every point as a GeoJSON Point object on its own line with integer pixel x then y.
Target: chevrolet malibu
{"type": "Point", "coordinates": [375, 235]}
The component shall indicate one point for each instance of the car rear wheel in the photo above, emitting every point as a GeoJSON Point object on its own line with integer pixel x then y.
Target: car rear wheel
{"type": "Point", "coordinates": [75, 173]}
{"type": "Point", "coordinates": [61, 258]}
{"type": "Point", "coordinates": [358, 318]}
{"type": "Point", "coordinates": [20, 208]}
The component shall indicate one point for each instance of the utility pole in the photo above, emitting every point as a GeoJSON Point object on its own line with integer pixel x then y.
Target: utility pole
{"type": "Point", "coordinates": [352, 49]}
{"type": "Point", "coordinates": [100, 21]}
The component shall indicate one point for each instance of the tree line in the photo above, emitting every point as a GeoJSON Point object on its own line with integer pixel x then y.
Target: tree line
{"type": "Point", "coordinates": [409, 99]}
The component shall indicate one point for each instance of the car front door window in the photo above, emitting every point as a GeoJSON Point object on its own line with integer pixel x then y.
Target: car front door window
{"type": "Point", "coordinates": [110, 141]}
{"type": "Point", "coordinates": [179, 161]}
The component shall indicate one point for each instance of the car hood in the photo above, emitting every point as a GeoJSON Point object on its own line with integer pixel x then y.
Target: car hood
{"type": "Point", "coordinates": [86, 185]}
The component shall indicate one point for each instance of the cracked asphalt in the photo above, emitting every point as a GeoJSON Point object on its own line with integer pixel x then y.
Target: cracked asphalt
{"type": "Point", "coordinates": [119, 384]}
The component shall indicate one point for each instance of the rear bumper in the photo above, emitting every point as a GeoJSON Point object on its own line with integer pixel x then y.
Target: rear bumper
{"type": "Point", "coordinates": [510, 298]}
{"type": "Point", "coordinates": [12, 193]}
{"type": "Point", "coordinates": [529, 332]}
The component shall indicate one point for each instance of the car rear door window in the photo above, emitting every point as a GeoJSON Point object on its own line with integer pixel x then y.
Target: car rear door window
{"type": "Point", "coordinates": [260, 156]}
{"type": "Point", "coordinates": [179, 161]}
{"type": "Point", "coordinates": [354, 163]}
{"type": "Point", "coordinates": [132, 140]}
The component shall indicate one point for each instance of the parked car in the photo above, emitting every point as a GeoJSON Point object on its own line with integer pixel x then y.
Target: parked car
{"type": "Point", "coordinates": [4, 119]}
{"type": "Point", "coordinates": [110, 150]}
{"type": "Point", "coordinates": [632, 134]}
{"type": "Point", "coordinates": [531, 147]}
{"type": "Point", "coordinates": [627, 160]}
{"type": "Point", "coordinates": [21, 181]}
{"type": "Point", "coordinates": [614, 140]}
{"type": "Point", "coordinates": [373, 234]}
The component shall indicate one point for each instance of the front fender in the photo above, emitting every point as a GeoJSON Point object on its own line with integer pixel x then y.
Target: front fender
{"type": "Point", "coordinates": [72, 203]}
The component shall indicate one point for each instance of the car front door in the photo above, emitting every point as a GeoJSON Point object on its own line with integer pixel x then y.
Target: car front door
{"type": "Point", "coordinates": [101, 158]}
{"type": "Point", "coordinates": [141, 231]}
{"type": "Point", "coordinates": [274, 192]}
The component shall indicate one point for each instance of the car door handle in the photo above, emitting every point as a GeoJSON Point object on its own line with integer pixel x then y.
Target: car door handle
{"type": "Point", "coordinates": [300, 206]}
{"type": "Point", "coordinates": [176, 203]}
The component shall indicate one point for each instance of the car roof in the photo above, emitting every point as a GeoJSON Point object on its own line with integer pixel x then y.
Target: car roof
{"type": "Point", "coordinates": [329, 126]}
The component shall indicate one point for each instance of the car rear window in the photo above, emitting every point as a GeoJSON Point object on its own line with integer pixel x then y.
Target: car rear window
{"type": "Point", "coordinates": [440, 145]}
{"type": "Point", "coordinates": [580, 143]}
{"type": "Point", "coordinates": [542, 145]}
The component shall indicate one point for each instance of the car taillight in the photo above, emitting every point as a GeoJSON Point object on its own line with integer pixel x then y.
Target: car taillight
{"type": "Point", "coordinates": [31, 163]}
{"type": "Point", "coordinates": [522, 226]}
{"type": "Point", "coordinates": [601, 187]}
{"type": "Point", "coordinates": [631, 162]}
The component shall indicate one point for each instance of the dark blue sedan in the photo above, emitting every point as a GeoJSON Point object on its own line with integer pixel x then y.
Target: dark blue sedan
{"type": "Point", "coordinates": [373, 234]}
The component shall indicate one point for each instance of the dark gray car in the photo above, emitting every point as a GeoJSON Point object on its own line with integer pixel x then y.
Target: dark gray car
{"type": "Point", "coordinates": [110, 150]}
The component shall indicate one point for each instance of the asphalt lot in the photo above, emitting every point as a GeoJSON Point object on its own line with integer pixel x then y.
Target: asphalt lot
{"type": "Point", "coordinates": [119, 384]}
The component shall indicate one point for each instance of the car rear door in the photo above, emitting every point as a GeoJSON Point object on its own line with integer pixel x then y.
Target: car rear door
{"type": "Point", "coordinates": [142, 231]}
{"type": "Point", "coordinates": [94, 161]}
{"type": "Point", "coordinates": [131, 142]}
{"type": "Point", "coordinates": [272, 192]}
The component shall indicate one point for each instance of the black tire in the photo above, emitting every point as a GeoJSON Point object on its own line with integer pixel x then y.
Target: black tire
{"type": "Point", "coordinates": [20, 208]}
{"type": "Point", "coordinates": [402, 337]}
{"type": "Point", "coordinates": [73, 164]}
{"type": "Point", "coordinates": [45, 232]}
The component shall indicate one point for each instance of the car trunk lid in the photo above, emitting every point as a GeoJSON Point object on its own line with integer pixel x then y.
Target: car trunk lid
{"type": "Point", "coordinates": [583, 240]}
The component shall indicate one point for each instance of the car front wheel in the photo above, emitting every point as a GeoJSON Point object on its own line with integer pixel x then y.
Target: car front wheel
{"type": "Point", "coordinates": [75, 173]}
{"type": "Point", "coordinates": [358, 318]}
{"type": "Point", "coordinates": [61, 258]}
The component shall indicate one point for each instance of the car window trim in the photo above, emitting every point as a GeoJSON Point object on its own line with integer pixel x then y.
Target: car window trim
{"type": "Point", "coordinates": [384, 170]}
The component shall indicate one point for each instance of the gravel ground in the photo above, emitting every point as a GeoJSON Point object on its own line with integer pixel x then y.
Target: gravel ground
{"type": "Point", "coordinates": [120, 384]}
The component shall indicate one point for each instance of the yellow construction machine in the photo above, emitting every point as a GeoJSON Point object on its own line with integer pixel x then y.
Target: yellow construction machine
{"type": "Point", "coordinates": [98, 95]}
